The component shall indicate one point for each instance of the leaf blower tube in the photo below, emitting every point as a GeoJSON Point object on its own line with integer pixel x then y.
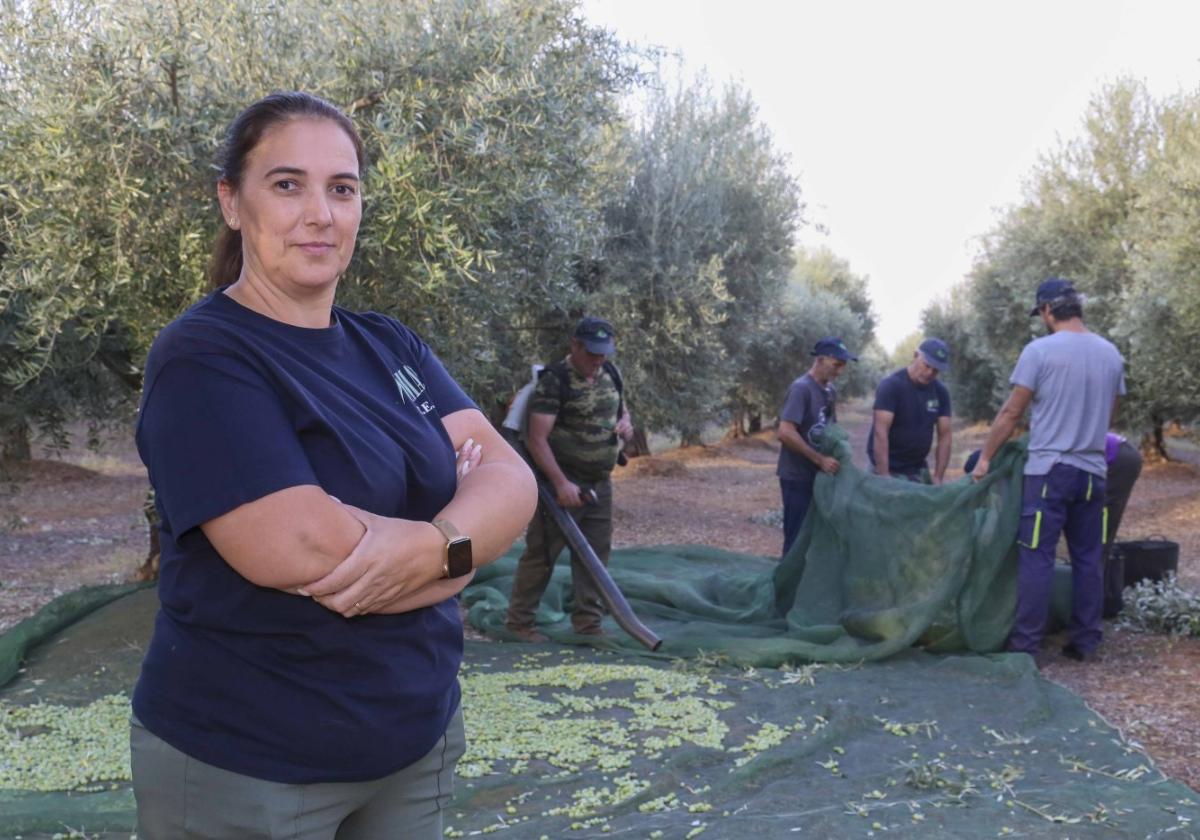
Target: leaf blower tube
{"type": "Point", "coordinates": [618, 607]}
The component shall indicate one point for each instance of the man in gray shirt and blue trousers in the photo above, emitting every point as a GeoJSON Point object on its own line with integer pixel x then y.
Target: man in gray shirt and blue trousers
{"type": "Point", "coordinates": [810, 406]}
{"type": "Point", "coordinates": [1073, 379]}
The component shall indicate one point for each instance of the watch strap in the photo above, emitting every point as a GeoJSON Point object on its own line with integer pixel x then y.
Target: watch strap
{"type": "Point", "coordinates": [447, 528]}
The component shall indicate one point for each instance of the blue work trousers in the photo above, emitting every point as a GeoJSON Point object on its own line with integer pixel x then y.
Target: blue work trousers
{"type": "Point", "coordinates": [797, 496]}
{"type": "Point", "coordinates": [1070, 501]}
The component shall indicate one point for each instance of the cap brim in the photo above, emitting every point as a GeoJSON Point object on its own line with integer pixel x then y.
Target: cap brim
{"type": "Point", "coordinates": [599, 345]}
{"type": "Point", "coordinates": [1033, 312]}
{"type": "Point", "coordinates": [936, 364]}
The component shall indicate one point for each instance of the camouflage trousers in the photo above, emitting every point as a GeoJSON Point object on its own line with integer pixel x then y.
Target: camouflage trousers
{"type": "Point", "coordinates": [543, 543]}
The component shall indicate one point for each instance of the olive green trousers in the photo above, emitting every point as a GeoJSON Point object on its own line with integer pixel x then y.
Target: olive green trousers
{"type": "Point", "coordinates": [543, 543]}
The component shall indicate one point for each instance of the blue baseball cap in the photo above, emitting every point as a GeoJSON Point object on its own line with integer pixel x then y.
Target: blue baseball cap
{"type": "Point", "coordinates": [834, 347]}
{"type": "Point", "coordinates": [1050, 291]}
{"type": "Point", "coordinates": [935, 353]}
{"type": "Point", "coordinates": [597, 335]}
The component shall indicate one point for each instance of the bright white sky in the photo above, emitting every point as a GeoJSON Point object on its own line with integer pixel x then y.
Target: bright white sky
{"type": "Point", "coordinates": [909, 124]}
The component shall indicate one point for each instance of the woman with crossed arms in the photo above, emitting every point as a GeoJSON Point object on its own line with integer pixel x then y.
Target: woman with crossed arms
{"type": "Point", "coordinates": [325, 490]}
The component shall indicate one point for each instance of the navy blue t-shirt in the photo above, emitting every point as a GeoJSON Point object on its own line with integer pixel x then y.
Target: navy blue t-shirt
{"type": "Point", "coordinates": [916, 409]}
{"type": "Point", "coordinates": [270, 685]}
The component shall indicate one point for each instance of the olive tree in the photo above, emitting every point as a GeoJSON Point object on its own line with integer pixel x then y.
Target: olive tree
{"type": "Point", "coordinates": [1161, 324]}
{"type": "Point", "coordinates": [100, 231]}
{"type": "Point", "coordinates": [698, 251]}
{"type": "Point", "coordinates": [486, 123]}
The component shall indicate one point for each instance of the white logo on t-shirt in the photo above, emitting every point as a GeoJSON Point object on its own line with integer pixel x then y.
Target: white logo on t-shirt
{"type": "Point", "coordinates": [817, 430]}
{"type": "Point", "coordinates": [411, 388]}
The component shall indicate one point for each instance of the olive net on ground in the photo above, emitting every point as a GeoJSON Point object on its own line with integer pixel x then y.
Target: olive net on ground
{"type": "Point", "coordinates": [569, 742]}
{"type": "Point", "coordinates": [879, 565]}
{"type": "Point", "coordinates": [64, 712]}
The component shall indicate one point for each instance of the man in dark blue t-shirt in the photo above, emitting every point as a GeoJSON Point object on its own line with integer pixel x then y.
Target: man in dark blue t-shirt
{"type": "Point", "coordinates": [909, 405]}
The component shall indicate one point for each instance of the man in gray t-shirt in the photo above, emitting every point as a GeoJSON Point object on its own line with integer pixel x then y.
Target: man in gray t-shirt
{"type": "Point", "coordinates": [807, 410]}
{"type": "Point", "coordinates": [1073, 379]}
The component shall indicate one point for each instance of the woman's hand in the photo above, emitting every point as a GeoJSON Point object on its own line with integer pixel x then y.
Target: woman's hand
{"type": "Point", "coordinates": [467, 458]}
{"type": "Point", "coordinates": [395, 557]}
{"type": "Point", "coordinates": [427, 596]}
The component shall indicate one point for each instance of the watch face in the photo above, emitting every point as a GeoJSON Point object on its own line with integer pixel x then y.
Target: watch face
{"type": "Point", "coordinates": [458, 557]}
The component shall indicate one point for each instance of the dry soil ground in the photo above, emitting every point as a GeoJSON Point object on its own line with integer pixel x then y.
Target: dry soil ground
{"type": "Point", "coordinates": [78, 520]}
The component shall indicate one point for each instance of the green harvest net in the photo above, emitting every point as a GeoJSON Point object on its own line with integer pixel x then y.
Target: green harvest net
{"type": "Point", "coordinates": [569, 742]}
{"type": "Point", "coordinates": [879, 565]}
{"type": "Point", "coordinates": [572, 742]}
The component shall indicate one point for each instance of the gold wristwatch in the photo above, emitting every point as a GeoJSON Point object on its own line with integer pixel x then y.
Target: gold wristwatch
{"type": "Point", "coordinates": [456, 558]}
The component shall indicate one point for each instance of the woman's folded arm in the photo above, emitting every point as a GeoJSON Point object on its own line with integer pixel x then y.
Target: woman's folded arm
{"type": "Point", "coordinates": [287, 538]}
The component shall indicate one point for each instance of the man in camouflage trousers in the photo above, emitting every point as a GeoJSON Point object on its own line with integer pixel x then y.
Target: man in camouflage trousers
{"type": "Point", "coordinates": [573, 438]}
